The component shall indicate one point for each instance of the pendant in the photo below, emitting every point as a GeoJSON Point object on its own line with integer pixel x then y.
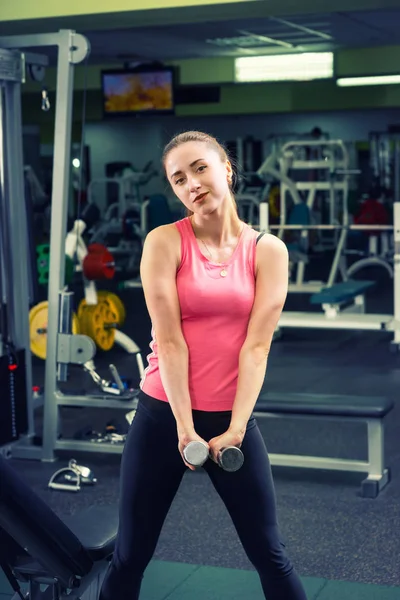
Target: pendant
{"type": "Point", "coordinates": [223, 273]}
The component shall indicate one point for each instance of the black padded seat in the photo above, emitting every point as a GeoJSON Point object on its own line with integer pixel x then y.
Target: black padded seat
{"type": "Point", "coordinates": [66, 548]}
{"type": "Point", "coordinates": [364, 407]}
{"type": "Point", "coordinates": [96, 528]}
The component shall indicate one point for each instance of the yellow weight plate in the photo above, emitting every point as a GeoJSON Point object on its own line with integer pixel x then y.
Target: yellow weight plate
{"type": "Point", "coordinates": [103, 295]}
{"type": "Point", "coordinates": [119, 305]}
{"type": "Point", "coordinates": [99, 322]}
{"type": "Point", "coordinates": [38, 317]}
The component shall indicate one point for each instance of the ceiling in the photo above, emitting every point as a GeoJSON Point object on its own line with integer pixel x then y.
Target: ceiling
{"type": "Point", "coordinates": [247, 37]}
{"type": "Point", "coordinates": [223, 31]}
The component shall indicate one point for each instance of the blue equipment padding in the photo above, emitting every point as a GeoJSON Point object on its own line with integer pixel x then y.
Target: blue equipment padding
{"type": "Point", "coordinates": [341, 292]}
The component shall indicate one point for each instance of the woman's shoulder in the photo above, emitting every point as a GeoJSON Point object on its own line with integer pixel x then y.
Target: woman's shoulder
{"type": "Point", "coordinates": [169, 232]}
{"type": "Point", "coordinates": [270, 243]}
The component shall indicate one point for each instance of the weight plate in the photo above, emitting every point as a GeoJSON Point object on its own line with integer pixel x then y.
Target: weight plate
{"type": "Point", "coordinates": [119, 305]}
{"type": "Point", "coordinates": [38, 317]}
{"type": "Point", "coordinates": [99, 322]}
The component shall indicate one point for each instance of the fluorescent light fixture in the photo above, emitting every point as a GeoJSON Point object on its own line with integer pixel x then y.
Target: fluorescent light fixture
{"type": "Point", "coordinates": [373, 80]}
{"type": "Point", "coordinates": [285, 67]}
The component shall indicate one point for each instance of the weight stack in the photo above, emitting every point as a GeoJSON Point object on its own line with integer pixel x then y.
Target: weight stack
{"type": "Point", "coordinates": [13, 399]}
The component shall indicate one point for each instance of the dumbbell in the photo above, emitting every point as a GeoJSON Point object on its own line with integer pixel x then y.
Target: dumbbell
{"type": "Point", "coordinates": [229, 459]}
{"type": "Point", "coordinates": [196, 453]}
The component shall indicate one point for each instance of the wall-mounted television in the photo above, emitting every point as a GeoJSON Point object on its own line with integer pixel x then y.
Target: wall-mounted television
{"type": "Point", "coordinates": [143, 90]}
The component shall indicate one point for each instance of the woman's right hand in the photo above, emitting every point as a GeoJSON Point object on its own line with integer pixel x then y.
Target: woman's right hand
{"type": "Point", "coordinates": [184, 438]}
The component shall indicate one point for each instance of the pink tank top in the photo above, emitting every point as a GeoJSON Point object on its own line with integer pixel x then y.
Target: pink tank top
{"type": "Point", "coordinates": [215, 311]}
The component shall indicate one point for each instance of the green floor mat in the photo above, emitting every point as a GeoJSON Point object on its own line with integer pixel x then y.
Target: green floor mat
{"type": "Point", "coordinates": [162, 578]}
{"type": "Point", "coordinates": [216, 583]}
{"type": "Point", "coordinates": [343, 590]}
{"type": "Point", "coordinates": [179, 581]}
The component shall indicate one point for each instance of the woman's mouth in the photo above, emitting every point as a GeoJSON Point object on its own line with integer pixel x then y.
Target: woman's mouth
{"type": "Point", "coordinates": [200, 197]}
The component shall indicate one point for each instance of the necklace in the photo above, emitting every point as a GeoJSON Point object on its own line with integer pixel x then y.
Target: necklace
{"type": "Point", "coordinates": [223, 271]}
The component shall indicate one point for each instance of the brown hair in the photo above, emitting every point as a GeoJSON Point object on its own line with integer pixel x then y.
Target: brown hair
{"type": "Point", "coordinates": [199, 136]}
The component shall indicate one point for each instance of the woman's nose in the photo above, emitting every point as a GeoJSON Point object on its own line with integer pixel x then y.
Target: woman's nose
{"type": "Point", "coordinates": [194, 184]}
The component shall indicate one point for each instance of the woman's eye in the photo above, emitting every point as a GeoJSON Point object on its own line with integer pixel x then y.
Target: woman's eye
{"type": "Point", "coordinates": [201, 168]}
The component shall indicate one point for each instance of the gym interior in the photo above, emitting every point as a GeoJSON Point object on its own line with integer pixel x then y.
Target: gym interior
{"type": "Point", "coordinates": [306, 98]}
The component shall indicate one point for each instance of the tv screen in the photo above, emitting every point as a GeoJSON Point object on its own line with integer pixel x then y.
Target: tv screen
{"type": "Point", "coordinates": [141, 91]}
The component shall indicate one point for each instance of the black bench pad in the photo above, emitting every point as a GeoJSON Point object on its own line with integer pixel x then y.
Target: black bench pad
{"type": "Point", "coordinates": [324, 404]}
{"type": "Point", "coordinates": [96, 528]}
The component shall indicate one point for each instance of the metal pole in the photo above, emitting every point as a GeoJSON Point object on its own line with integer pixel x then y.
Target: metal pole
{"type": "Point", "coordinates": [19, 252]}
{"type": "Point", "coordinates": [396, 273]}
{"type": "Point", "coordinates": [66, 41]}
{"type": "Point", "coordinates": [264, 216]}
{"type": "Point", "coordinates": [396, 174]}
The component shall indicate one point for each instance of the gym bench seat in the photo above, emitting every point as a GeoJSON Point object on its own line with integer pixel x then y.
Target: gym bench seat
{"type": "Point", "coordinates": [341, 292]}
{"type": "Point", "coordinates": [371, 410]}
{"type": "Point", "coordinates": [66, 557]}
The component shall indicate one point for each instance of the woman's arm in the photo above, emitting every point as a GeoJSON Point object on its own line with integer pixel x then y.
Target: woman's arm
{"type": "Point", "coordinates": [272, 275]}
{"type": "Point", "coordinates": [159, 263]}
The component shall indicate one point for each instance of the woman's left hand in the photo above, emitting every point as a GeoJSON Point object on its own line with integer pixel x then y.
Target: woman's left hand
{"type": "Point", "coordinates": [229, 438]}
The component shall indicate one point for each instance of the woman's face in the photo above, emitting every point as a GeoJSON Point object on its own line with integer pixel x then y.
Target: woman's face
{"type": "Point", "coordinates": [198, 176]}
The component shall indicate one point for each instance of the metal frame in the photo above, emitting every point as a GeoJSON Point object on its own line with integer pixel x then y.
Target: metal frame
{"type": "Point", "coordinates": [378, 476]}
{"type": "Point", "coordinates": [353, 317]}
{"type": "Point", "coordinates": [89, 585]}
{"type": "Point", "coordinates": [62, 347]}
{"type": "Point", "coordinates": [72, 49]}
{"type": "Point", "coordinates": [336, 168]}
{"type": "Point", "coordinates": [13, 214]}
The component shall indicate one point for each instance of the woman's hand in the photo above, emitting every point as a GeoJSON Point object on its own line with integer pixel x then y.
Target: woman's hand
{"type": "Point", "coordinates": [185, 437]}
{"type": "Point", "coordinates": [229, 438]}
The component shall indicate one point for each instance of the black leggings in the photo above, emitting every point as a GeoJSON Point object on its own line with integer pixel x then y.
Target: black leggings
{"type": "Point", "coordinates": [151, 472]}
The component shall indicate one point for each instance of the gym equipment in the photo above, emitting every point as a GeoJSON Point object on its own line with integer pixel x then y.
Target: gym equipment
{"type": "Point", "coordinates": [369, 410]}
{"type": "Point", "coordinates": [125, 222]}
{"type": "Point", "coordinates": [105, 337]}
{"type": "Point", "coordinates": [38, 318]}
{"type": "Point", "coordinates": [343, 303]}
{"type": "Point", "coordinates": [384, 159]}
{"type": "Point", "coordinates": [117, 302]}
{"type": "Point", "coordinates": [69, 556]}
{"type": "Point", "coordinates": [319, 169]}
{"type": "Point", "coordinates": [70, 479]}
{"type": "Point", "coordinates": [110, 298]}
{"type": "Point", "coordinates": [90, 215]}
{"type": "Point", "coordinates": [196, 453]}
{"type": "Point", "coordinates": [99, 322]}
{"type": "Point", "coordinates": [341, 292]}
{"type": "Point", "coordinates": [116, 386]}
{"type": "Point", "coordinates": [43, 264]}
{"type": "Point", "coordinates": [63, 348]}
{"type": "Point", "coordinates": [16, 256]}
{"type": "Point", "coordinates": [98, 263]}
{"type": "Point", "coordinates": [230, 459]}
{"type": "Point", "coordinates": [14, 405]}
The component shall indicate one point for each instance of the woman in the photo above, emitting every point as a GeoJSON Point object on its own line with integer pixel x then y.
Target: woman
{"type": "Point", "coordinates": [214, 290]}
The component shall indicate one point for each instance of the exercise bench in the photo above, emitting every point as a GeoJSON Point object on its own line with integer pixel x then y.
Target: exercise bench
{"type": "Point", "coordinates": [55, 559]}
{"type": "Point", "coordinates": [335, 297]}
{"type": "Point", "coordinates": [370, 410]}
{"type": "Point", "coordinates": [343, 307]}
